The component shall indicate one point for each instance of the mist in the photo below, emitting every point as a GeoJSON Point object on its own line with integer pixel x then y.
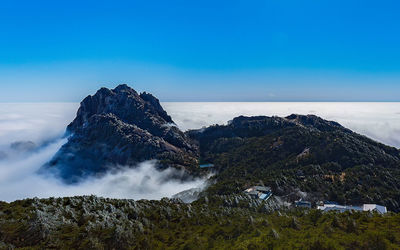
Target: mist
{"type": "Point", "coordinates": [379, 121]}
{"type": "Point", "coordinates": [19, 179]}
{"type": "Point", "coordinates": [30, 135]}
{"type": "Point", "coordinates": [38, 129]}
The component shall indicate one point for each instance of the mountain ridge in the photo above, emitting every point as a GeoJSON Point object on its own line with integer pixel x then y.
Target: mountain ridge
{"type": "Point", "coordinates": [290, 154]}
{"type": "Point", "coordinates": [300, 153]}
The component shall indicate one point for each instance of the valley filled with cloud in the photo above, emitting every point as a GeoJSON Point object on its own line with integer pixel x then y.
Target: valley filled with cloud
{"type": "Point", "coordinates": [31, 133]}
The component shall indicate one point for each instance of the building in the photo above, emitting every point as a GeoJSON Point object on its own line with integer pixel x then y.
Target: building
{"type": "Point", "coordinates": [301, 203]}
{"type": "Point", "coordinates": [206, 165]}
{"type": "Point", "coordinates": [374, 207]}
{"type": "Point", "coordinates": [260, 192]}
{"type": "Point", "coordinates": [341, 208]}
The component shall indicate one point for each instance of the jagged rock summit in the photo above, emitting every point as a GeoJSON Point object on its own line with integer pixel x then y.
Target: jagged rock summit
{"type": "Point", "coordinates": [121, 127]}
{"type": "Point", "coordinates": [143, 110]}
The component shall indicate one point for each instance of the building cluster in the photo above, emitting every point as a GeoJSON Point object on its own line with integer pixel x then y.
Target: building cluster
{"type": "Point", "coordinates": [264, 193]}
{"type": "Point", "coordinates": [333, 206]}
{"type": "Point", "coordinates": [342, 208]}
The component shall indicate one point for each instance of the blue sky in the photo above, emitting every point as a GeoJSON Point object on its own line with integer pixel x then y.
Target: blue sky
{"type": "Point", "coordinates": [201, 50]}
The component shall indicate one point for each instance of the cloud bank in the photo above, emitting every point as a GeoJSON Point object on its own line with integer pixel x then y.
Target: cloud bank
{"type": "Point", "coordinates": [379, 121]}
{"type": "Point", "coordinates": [19, 179]}
{"type": "Point", "coordinates": [37, 122]}
{"type": "Point", "coordinates": [44, 123]}
{"type": "Point", "coordinates": [37, 128]}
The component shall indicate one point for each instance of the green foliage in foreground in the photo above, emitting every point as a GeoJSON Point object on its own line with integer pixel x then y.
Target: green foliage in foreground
{"type": "Point", "coordinates": [97, 223]}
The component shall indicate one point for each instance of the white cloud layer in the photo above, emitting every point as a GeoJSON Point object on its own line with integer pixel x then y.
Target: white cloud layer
{"type": "Point", "coordinates": [379, 121]}
{"type": "Point", "coordinates": [43, 122]}
{"type": "Point", "coordinates": [19, 179]}
{"type": "Point", "coordinates": [35, 122]}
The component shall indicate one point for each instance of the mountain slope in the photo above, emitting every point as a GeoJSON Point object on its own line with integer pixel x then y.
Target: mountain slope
{"type": "Point", "coordinates": [120, 127]}
{"type": "Point", "coordinates": [298, 156]}
{"type": "Point", "coordinates": [301, 153]}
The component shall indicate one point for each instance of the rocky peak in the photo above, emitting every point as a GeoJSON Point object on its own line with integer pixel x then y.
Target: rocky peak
{"type": "Point", "coordinates": [121, 127]}
{"type": "Point", "coordinates": [274, 122]}
{"type": "Point", "coordinates": [258, 122]}
{"type": "Point", "coordinates": [244, 127]}
{"type": "Point", "coordinates": [143, 110]}
{"type": "Point", "coordinates": [264, 123]}
{"type": "Point", "coordinates": [155, 103]}
{"type": "Point", "coordinates": [313, 121]}
{"type": "Point", "coordinates": [124, 88]}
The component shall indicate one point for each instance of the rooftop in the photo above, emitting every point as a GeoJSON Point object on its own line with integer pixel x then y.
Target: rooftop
{"type": "Point", "coordinates": [209, 165]}
{"type": "Point", "coordinates": [366, 207]}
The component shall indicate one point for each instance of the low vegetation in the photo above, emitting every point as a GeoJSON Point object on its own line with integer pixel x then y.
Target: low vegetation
{"type": "Point", "coordinates": [225, 222]}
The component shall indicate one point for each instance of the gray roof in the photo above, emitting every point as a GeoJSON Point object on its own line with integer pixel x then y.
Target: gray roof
{"type": "Point", "coordinates": [253, 193]}
{"type": "Point", "coordinates": [262, 188]}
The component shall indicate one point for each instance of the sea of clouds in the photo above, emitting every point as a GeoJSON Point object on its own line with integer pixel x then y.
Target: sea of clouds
{"type": "Point", "coordinates": [379, 121]}
{"type": "Point", "coordinates": [45, 123]}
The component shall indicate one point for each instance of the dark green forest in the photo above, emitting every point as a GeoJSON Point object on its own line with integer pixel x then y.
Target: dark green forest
{"type": "Point", "coordinates": [303, 153]}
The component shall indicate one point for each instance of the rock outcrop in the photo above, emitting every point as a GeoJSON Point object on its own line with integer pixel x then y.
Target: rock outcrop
{"type": "Point", "coordinates": [255, 126]}
{"type": "Point", "coordinates": [121, 127]}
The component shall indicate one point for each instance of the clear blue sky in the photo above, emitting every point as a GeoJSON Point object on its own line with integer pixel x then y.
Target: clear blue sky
{"type": "Point", "coordinates": [201, 50]}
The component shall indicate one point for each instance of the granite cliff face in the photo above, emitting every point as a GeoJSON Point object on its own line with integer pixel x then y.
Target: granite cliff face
{"type": "Point", "coordinates": [121, 127]}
